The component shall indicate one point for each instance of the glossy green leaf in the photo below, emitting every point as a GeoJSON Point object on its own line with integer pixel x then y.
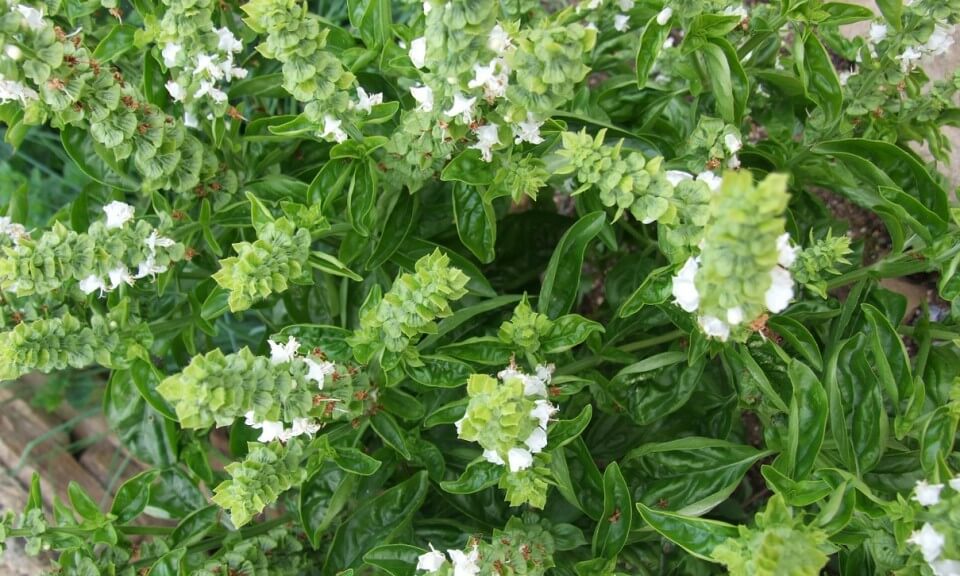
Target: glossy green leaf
{"type": "Point", "coordinates": [439, 372]}
{"type": "Point", "coordinates": [561, 283]}
{"type": "Point", "coordinates": [807, 423]}
{"type": "Point", "coordinates": [325, 493]}
{"type": "Point", "coordinates": [475, 220]}
{"type": "Point", "coordinates": [695, 535]}
{"type": "Point", "coordinates": [478, 475]}
{"type": "Point", "coordinates": [395, 559]}
{"type": "Point", "coordinates": [562, 432]}
{"type": "Point", "coordinates": [390, 432]}
{"type": "Point", "coordinates": [615, 522]}
{"type": "Point", "coordinates": [648, 49]}
{"type": "Point", "coordinates": [132, 496]}
{"type": "Point", "coordinates": [822, 82]}
{"type": "Point", "coordinates": [116, 43]}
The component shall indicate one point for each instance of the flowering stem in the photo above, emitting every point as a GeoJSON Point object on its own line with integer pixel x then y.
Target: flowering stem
{"type": "Point", "coordinates": [902, 265]}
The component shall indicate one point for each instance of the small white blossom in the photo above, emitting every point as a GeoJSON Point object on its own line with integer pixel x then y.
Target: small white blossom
{"type": "Point", "coordinates": [621, 22]}
{"type": "Point", "coordinates": [433, 560]}
{"type": "Point", "coordinates": [190, 119]}
{"type": "Point", "coordinates": [594, 4]}
{"type": "Point", "coordinates": [120, 275]}
{"type": "Point", "coordinates": [170, 53]}
{"type": "Point", "coordinates": [527, 131]}
{"type": "Point", "coordinates": [675, 177]}
{"type": "Point", "coordinates": [32, 16]}
{"type": "Point", "coordinates": [732, 143]}
{"type": "Point", "coordinates": [908, 57]}
{"type": "Point", "coordinates": [955, 484]}
{"type": "Point", "coordinates": [519, 459]}
{"type": "Point", "coordinates": [945, 567]}
{"type": "Point", "coordinates": [230, 71]}
{"type": "Point", "coordinates": [270, 430]}
{"type": "Point", "coordinates": [492, 457]}
{"type": "Point", "coordinates": [780, 293]}
{"type": "Point", "coordinates": [12, 230]}
{"type": "Point", "coordinates": [418, 52]}
{"type": "Point", "coordinates": [318, 371]}
{"type": "Point", "coordinates": [91, 284]}
{"type": "Point", "coordinates": [545, 372]}
{"type": "Point", "coordinates": [492, 78]}
{"type": "Point", "coordinates": [280, 353]}
{"type": "Point", "coordinates": [715, 327]}
{"type": "Point", "coordinates": [366, 102]}
{"type": "Point", "coordinates": [427, 7]}
{"type": "Point", "coordinates": [786, 253]}
{"type": "Point", "coordinates": [459, 425]}
{"type": "Point", "coordinates": [668, 43]}
{"type": "Point", "coordinates": [684, 290]}
{"type": "Point", "coordinates": [929, 541]}
{"type": "Point", "coordinates": [12, 52]}
{"type": "Point", "coordinates": [424, 97]}
{"type": "Point", "coordinates": [155, 239]}
{"type": "Point", "coordinates": [210, 64]}
{"type": "Point", "coordinates": [542, 411]}
{"type": "Point", "coordinates": [462, 106]}
{"type": "Point", "coordinates": [734, 315]}
{"type": "Point", "coordinates": [301, 426]}
{"type": "Point", "coordinates": [537, 440]}
{"type": "Point", "coordinates": [208, 88]}
{"type": "Point", "coordinates": [331, 128]}
{"type": "Point", "coordinates": [664, 16]}
{"type": "Point", "coordinates": [176, 91]}
{"type": "Point", "coordinates": [878, 33]}
{"type": "Point", "coordinates": [733, 162]}
{"type": "Point", "coordinates": [625, 5]}
{"type": "Point", "coordinates": [735, 11]}
{"type": "Point", "coordinates": [118, 214]}
{"type": "Point", "coordinates": [845, 75]}
{"type": "Point", "coordinates": [711, 180]}
{"type": "Point", "coordinates": [487, 138]}
{"type": "Point", "coordinates": [226, 41]}
{"type": "Point", "coordinates": [13, 90]}
{"type": "Point", "coordinates": [149, 267]}
{"type": "Point", "coordinates": [499, 41]}
{"type": "Point", "coordinates": [465, 564]}
{"type": "Point", "coordinates": [940, 41]}
{"type": "Point", "coordinates": [927, 494]}
{"type": "Point", "coordinates": [533, 386]}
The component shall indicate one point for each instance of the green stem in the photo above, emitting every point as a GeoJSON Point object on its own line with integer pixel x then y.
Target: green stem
{"type": "Point", "coordinates": [78, 531]}
{"type": "Point", "coordinates": [902, 265]}
{"type": "Point", "coordinates": [652, 341]}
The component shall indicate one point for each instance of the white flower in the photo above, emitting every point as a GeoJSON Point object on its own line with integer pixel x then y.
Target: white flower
{"type": "Point", "coordinates": [13, 90]}
{"type": "Point", "coordinates": [301, 426]}
{"type": "Point", "coordinates": [149, 267]}
{"type": "Point", "coordinates": [542, 411]}
{"type": "Point", "coordinates": [32, 16]}
{"type": "Point", "coordinates": [733, 162]}
{"type": "Point", "coordinates": [118, 214]}
{"type": "Point", "coordinates": [366, 102]}
{"type": "Point", "coordinates": [527, 131]}
{"type": "Point", "coordinates": [462, 106]}
{"type": "Point", "coordinates": [533, 386]}
{"type": "Point", "coordinates": [685, 292]}
{"type": "Point", "coordinates": [230, 71]}
{"type": "Point", "coordinates": [664, 16]}
{"type": "Point", "coordinates": [12, 52]}
{"type": "Point", "coordinates": [845, 75]}
{"type": "Point", "coordinates": [625, 5]}
{"type": "Point", "coordinates": [433, 560]}
{"type": "Point", "coordinates": [940, 41]}
{"type": "Point", "coordinates": [331, 128]}
{"type": "Point", "coordinates": [929, 541]}
{"type": "Point", "coordinates": [190, 119]}
{"type": "Point", "coordinates": [270, 430]}
{"type": "Point", "coordinates": [675, 177]}
{"type": "Point", "coordinates": [736, 11]}
{"type": "Point", "coordinates": [519, 459]}
{"type": "Point", "coordinates": [465, 564]}
{"type": "Point", "coordinates": [711, 180]}
{"type": "Point", "coordinates": [945, 567]}
{"type": "Point", "coordinates": [594, 4]}
{"type": "Point", "coordinates": [955, 484]}
{"type": "Point", "coordinates": [418, 52]}
{"type": "Point", "coordinates": [780, 292]}
{"type": "Point", "coordinates": [537, 440]}
{"type": "Point", "coordinates": [786, 254]}
{"type": "Point", "coordinates": [734, 315]}
{"type": "Point", "coordinates": [621, 22]}
{"type": "Point", "coordinates": [499, 41]}
{"type": "Point", "coordinates": [878, 33]}
{"type": "Point", "coordinates": [508, 373]}
{"type": "Point", "coordinates": [155, 239]}
{"type": "Point", "coordinates": [487, 138]}
{"type": "Point", "coordinates": [170, 53]}
{"type": "Point", "coordinates": [927, 494]}
{"type": "Point", "coordinates": [492, 457]}
{"type": "Point", "coordinates": [732, 143]}
{"type": "Point", "coordinates": [13, 230]}
{"type": "Point", "coordinates": [177, 92]}
{"type": "Point", "coordinates": [494, 83]}
{"type": "Point", "coordinates": [226, 41]}
{"type": "Point", "coordinates": [668, 43]}
{"type": "Point", "coordinates": [91, 284]}
{"type": "Point", "coordinates": [427, 7]}
{"type": "Point", "coordinates": [318, 371]}
{"type": "Point", "coordinates": [424, 97]}
{"type": "Point", "coordinates": [908, 57]}
{"type": "Point", "coordinates": [545, 372]}
{"type": "Point", "coordinates": [208, 87]}
{"type": "Point", "coordinates": [280, 353]}
{"type": "Point", "coordinates": [459, 425]}
{"type": "Point", "coordinates": [210, 64]}
{"type": "Point", "coordinates": [120, 275]}
{"type": "Point", "coordinates": [715, 327]}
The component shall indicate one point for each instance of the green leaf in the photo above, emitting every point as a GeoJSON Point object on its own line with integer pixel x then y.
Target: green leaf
{"type": "Point", "coordinates": [476, 221]}
{"type": "Point", "coordinates": [390, 432]}
{"type": "Point", "coordinates": [651, 42]}
{"type": "Point", "coordinates": [82, 503]}
{"type": "Point", "coordinates": [803, 493]}
{"type": "Point", "coordinates": [890, 360]}
{"type": "Point", "coordinates": [446, 414]}
{"type": "Point", "coordinates": [216, 303]}
{"type": "Point", "coordinates": [469, 168]}
{"type": "Point", "coordinates": [331, 265]}
{"type": "Point", "coordinates": [322, 497]}
{"type": "Point", "coordinates": [132, 496]}
{"type": "Point", "coordinates": [169, 563]}
{"type": "Point", "coordinates": [937, 439]}
{"type": "Point", "coordinates": [144, 431]}
{"type": "Point", "coordinates": [695, 535]}
{"type": "Point", "coordinates": [478, 476]}
{"type": "Point", "coordinates": [439, 372]}
{"type": "Point", "coordinates": [561, 283]}
{"type": "Point", "coordinates": [562, 432]}
{"type": "Point", "coordinates": [487, 350]}
{"type": "Point", "coordinates": [376, 23]}
{"type": "Point", "coordinates": [797, 335]}
{"type": "Point", "coordinates": [718, 72]}
{"type": "Point", "coordinates": [356, 462]}
{"type": "Point", "coordinates": [361, 198]}
{"type": "Point", "coordinates": [614, 525]}
{"type": "Point", "coordinates": [892, 11]}
{"type": "Point", "coordinates": [569, 331]}
{"type": "Point", "coordinates": [463, 316]}
{"type": "Point", "coordinates": [79, 147]}
{"type": "Point", "coordinates": [822, 83]}
{"type": "Point", "coordinates": [153, 82]}
{"type": "Point", "coordinates": [395, 559]}
{"type": "Point", "coordinates": [739, 83]}
{"type": "Point", "coordinates": [656, 288]}
{"type": "Point", "coordinates": [398, 226]}
{"type": "Point", "coordinates": [116, 43]}
{"type": "Point", "coordinates": [807, 424]}
{"type": "Point", "coordinates": [195, 526]}
{"type": "Point", "coordinates": [652, 397]}
{"type": "Point", "coordinates": [376, 522]}
{"type": "Point", "coordinates": [146, 377]}
{"type": "Point", "coordinates": [842, 13]}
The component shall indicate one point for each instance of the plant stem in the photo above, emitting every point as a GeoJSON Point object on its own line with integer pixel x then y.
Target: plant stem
{"type": "Point", "coordinates": [591, 361]}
